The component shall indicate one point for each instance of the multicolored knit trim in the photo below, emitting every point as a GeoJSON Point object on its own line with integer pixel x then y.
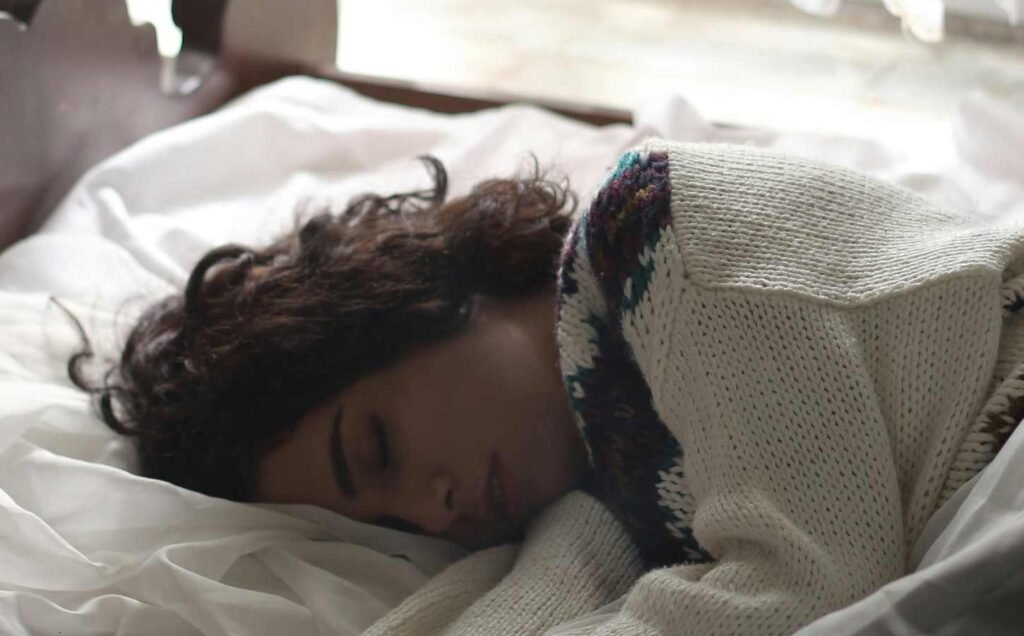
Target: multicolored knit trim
{"type": "Point", "coordinates": [1001, 414]}
{"type": "Point", "coordinates": [1013, 295]}
{"type": "Point", "coordinates": [626, 219]}
{"type": "Point", "coordinates": [637, 462]}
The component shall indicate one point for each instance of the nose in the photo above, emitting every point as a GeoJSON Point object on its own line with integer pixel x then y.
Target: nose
{"type": "Point", "coordinates": [435, 510]}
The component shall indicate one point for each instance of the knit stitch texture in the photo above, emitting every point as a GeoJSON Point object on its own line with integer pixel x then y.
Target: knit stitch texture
{"type": "Point", "coordinates": [780, 369]}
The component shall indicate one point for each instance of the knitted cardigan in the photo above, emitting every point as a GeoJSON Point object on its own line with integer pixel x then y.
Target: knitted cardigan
{"type": "Point", "coordinates": [780, 370]}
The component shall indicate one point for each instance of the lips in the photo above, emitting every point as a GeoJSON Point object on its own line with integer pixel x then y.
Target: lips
{"type": "Point", "coordinates": [502, 491]}
{"type": "Point", "coordinates": [491, 499]}
{"type": "Point", "coordinates": [494, 499]}
{"type": "Point", "coordinates": [497, 496]}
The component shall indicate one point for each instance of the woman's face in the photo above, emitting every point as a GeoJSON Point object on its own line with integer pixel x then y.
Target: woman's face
{"type": "Point", "coordinates": [465, 439]}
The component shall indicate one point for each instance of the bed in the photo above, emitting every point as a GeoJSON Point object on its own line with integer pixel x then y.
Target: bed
{"type": "Point", "coordinates": [89, 547]}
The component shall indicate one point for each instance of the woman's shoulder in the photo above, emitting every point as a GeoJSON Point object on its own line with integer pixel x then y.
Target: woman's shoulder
{"type": "Point", "coordinates": [758, 221]}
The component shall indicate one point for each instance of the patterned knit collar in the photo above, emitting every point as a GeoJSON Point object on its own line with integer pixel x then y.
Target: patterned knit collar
{"type": "Point", "coordinates": [636, 461]}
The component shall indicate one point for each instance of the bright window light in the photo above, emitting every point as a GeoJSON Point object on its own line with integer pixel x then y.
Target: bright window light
{"type": "Point", "coordinates": [157, 13]}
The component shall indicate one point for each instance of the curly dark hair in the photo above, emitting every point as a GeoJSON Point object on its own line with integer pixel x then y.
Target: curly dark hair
{"type": "Point", "coordinates": [212, 379]}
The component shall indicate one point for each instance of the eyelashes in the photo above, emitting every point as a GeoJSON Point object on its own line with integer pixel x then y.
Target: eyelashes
{"type": "Point", "coordinates": [384, 460]}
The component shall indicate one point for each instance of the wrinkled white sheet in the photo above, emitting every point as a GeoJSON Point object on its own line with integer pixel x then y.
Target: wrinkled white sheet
{"type": "Point", "coordinates": [86, 547]}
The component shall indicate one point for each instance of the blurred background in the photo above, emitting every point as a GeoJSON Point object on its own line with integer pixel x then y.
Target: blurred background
{"type": "Point", "coordinates": [81, 79]}
{"type": "Point", "coordinates": [868, 68]}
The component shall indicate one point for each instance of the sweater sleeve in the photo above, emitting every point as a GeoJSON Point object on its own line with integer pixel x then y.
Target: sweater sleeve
{"type": "Point", "coordinates": [794, 488]}
{"type": "Point", "coordinates": [576, 558]}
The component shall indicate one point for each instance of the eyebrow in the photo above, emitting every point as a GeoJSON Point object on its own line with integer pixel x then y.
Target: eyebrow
{"type": "Point", "coordinates": [338, 464]}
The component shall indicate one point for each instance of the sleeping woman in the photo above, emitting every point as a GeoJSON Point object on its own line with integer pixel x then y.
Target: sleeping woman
{"type": "Point", "coordinates": [729, 393]}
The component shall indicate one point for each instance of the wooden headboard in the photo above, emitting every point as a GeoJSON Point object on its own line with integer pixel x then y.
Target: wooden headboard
{"type": "Point", "coordinates": [78, 82]}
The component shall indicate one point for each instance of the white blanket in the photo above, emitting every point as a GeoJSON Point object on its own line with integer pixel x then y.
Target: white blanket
{"type": "Point", "coordinates": [86, 547]}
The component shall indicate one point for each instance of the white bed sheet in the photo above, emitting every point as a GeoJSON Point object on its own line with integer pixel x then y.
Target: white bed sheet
{"type": "Point", "coordinates": [86, 547]}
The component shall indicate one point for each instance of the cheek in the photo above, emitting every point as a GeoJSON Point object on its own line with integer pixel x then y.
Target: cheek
{"type": "Point", "coordinates": [549, 447]}
{"type": "Point", "coordinates": [540, 436]}
{"type": "Point", "coordinates": [497, 396]}
{"type": "Point", "coordinates": [444, 419]}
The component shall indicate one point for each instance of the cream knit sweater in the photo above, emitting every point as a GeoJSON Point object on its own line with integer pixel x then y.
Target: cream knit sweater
{"type": "Point", "coordinates": [821, 345]}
